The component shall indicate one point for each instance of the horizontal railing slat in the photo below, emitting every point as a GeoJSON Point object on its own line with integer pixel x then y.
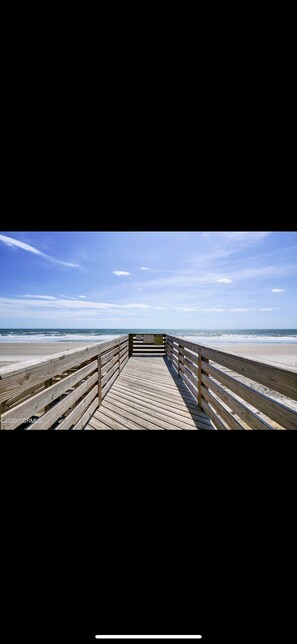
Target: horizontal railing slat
{"type": "Point", "coordinates": [50, 417]}
{"type": "Point", "coordinates": [79, 410]}
{"type": "Point", "coordinates": [14, 417]}
{"type": "Point", "coordinates": [212, 415]}
{"type": "Point", "coordinates": [238, 407]}
{"type": "Point", "coordinates": [232, 423]}
{"type": "Point", "coordinates": [279, 378]}
{"type": "Point", "coordinates": [15, 379]}
{"type": "Point", "coordinates": [276, 377]}
{"type": "Point", "coordinates": [275, 410]}
{"type": "Point", "coordinates": [81, 423]}
{"type": "Point", "coordinates": [109, 373]}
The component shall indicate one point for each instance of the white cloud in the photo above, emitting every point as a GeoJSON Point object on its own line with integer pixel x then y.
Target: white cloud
{"type": "Point", "coordinates": [241, 310]}
{"type": "Point", "coordinates": [267, 309]}
{"type": "Point", "coordinates": [75, 309]}
{"type": "Point", "coordinates": [224, 280]}
{"type": "Point", "coordinates": [119, 273]}
{"type": "Point", "coordinates": [277, 290]}
{"type": "Point", "coordinates": [144, 268]}
{"type": "Point", "coordinates": [15, 243]}
{"type": "Point", "coordinates": [191, 309]}
{"type": "Point", "coordinates": [83, 297]}
{"type": "Point", "coordinates": [213, 309]}
{"type": "Point", "coordinates": [41, 297]}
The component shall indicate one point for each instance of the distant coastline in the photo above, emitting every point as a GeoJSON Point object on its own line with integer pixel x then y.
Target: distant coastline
{"type": "Point", "coordinates": [202, 336]}
{"type": "Point", "coordinates": [274, 345]}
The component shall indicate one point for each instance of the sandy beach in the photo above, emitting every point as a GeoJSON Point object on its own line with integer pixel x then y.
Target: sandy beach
{"type": "Point", "coordinates": [282, 353]}
{"type": "Point", "coordinates": [277, 353]}
{"type": "Point", "coordinates": [286, 354]}
{"type": "Point", "coordinates": [19, 351]}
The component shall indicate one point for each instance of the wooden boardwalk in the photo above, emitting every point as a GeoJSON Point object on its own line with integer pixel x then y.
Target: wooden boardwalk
{"type": "Point", "coordinates": [148, 394]}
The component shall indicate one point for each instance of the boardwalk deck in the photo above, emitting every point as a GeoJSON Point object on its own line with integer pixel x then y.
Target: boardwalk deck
{"type": "Point", "coordinates": [149, 394]}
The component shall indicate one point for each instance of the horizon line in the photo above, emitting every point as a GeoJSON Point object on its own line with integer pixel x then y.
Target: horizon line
{"type": "Point", "coordinates": [145, 637]}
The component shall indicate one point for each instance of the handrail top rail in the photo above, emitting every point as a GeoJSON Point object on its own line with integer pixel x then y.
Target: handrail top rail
{"type": "Point", "coordinates": [199, 348]}
{"type": "Point", "coordinates": [16, 368]}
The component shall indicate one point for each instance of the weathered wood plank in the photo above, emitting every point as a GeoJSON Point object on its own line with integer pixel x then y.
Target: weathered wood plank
{"type": "Point", "coordinates": [211, 414]}
{"type": "Point", "coordinates": [110, 373]}
{"type": "Point", "coordinates": [81, 424]}
{"type": "Point", "coordinates": [273, 409]}
{"type": "Point", "coordinates": [254, 421]}
{"type": "Point", "coordinates": [277, 377]}
{"type": "Point", "coordinates": [186, 373]}
{"type": "Point", "coordinates": [14, 416]}
{"type": "Point", "coordinates": [99, 380]}
{"type": "Point", "coordinates": [151, 404]}
{"type": "Point", "coordinates": [146, 395]}
{"type": "Point", "coordinates": [105, 369]}
{"type": "Point", "coordinates": [149, 414]}
{"type": "Point", "coordinates": [107, 386]}
{"type": "Point", "coordinates": [178, 408]}
{"type": "Point", "coordinates": [79, 410]}
{"type": "Point", "coordinates": [49, 418]}
{"type": "Point", "coordinates": [18, 378]}
{"type": "Point", "coordinates": [232, 423]}
{"type": "Point", "coordinates": [119, 421]}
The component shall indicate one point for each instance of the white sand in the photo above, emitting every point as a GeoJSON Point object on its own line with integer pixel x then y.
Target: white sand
{"type": "Point", "coordinates": [277, 354]}
{"type": "Point", "coordinates": [20, 351]}
{"type": "Point", "coordinates": [286, 354]}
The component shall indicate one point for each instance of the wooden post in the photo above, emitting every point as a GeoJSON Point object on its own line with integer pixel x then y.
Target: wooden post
{"type": "Point", "coordinates": [119, 359]}
{"type": "Point", "coordinates": [48, 383]}
{"type": "Point", "coordinates": [99, 380]}
{"type": "Point", "coordinates": [200, 367]}
{"type": "Point", "coordinates": [2, 408]}
{"type": "Point", "coordinates": [178, 361]}
{"type": "Point", "coordinates": [130, 344]}
{"type": "Point", "coordinates": [199, 380]}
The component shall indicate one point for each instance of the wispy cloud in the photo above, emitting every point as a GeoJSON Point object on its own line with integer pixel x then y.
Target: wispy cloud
{"type": "Point", "coordinates": [144, 268]}
{"type": "Point", "coordinates": [120, 273]}
{"type": "Point", "coordinates": [242, 310]}
{"type": "Point", "coordinates": [67, 309]}
{"type": "Point", "coordinates": [40, 297]}
{"type": "Point", "coordinates": [187, 309]}
{"type": "Point", "coordinates": [277, 290]}
{"type": "Point", "coordinates": [224, 280]}
{"type": "Point", "coordinates": [15, 243]}
{"type": "Point", "coordinates": [83, 297]}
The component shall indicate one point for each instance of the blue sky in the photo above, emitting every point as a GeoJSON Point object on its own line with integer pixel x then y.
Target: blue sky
{"type": "Point", "coordinates": [170, 280]}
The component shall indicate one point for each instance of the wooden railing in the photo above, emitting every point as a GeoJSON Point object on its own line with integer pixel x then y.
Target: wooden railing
{"type": "Point", "coordinates": [235, 405]}
{"type": "Point", "coordinates": [62, 391]}
{"type": "Point", "coordinates": [147, 344]}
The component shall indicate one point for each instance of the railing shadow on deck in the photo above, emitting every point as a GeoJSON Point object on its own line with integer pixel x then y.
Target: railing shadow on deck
{"type": "Point", "coordinates": [64, 390]}
{"type": "Point", "coordinates": [227, 401]}
{"type": "Point", "coordinates": [198, 416]}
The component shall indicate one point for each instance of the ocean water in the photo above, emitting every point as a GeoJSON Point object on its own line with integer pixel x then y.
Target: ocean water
{"type": "Point", "coordinates": [201, 336]}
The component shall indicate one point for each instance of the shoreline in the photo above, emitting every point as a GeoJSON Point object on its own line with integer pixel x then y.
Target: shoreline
{"type": "Point", "coordinates": [12, 352]}
{"type": "Point", "coordinates": [284, 353]}
{"type": "Point", "coordinates": [280, 353]}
